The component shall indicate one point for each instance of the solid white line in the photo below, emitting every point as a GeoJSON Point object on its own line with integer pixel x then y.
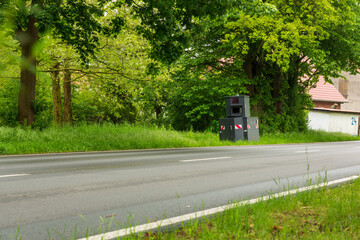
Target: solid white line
{"type": "Point", "coordinates": [14, 175]}
{"type": "Point", "coordinates": [199, 214]}
{"type": "Point", "coordinates": [307, 151]}
{"type": "Point", "coordinates": [203, 159]}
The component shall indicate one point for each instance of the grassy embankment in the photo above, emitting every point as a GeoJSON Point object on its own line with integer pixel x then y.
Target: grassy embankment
{"type": "Point", "coordinates": [115, 137]}
{"type": "Point", "coordinates": [317, 214]}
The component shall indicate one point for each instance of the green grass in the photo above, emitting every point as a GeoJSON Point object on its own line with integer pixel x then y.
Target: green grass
{"type": "Point", "coordinates": [122, 137]}
{"type": "Point", "coordinates": [317, 214]}
{"type": "Point", "coordinates": [310, 136]}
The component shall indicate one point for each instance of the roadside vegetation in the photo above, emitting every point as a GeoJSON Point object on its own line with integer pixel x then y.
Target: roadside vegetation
{"type": "Point", "coordinates": [316, 214]}
{"type": "Point", "coordinates": [123, 137]}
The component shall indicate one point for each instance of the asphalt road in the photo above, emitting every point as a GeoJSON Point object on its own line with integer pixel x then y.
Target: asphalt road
{"type": "Point", "coordinates": [68, 194]}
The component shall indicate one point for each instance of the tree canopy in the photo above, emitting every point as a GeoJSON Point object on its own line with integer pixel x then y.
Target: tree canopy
{"type": "Point", "coordinates": [278, 49]}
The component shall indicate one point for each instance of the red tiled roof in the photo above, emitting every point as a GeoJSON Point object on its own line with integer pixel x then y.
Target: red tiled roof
{"type": "Point", "coordinates": [326, 92]}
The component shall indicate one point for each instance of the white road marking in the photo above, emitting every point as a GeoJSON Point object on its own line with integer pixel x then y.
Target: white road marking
{"type": "Point", "coordinates": [199, 214]}
{"type": "Point", "coordinates": [308, 151]}
{"type": "Point", "coordinates": [14, 175]}
{"type": "Point", "coordinates": [203, 159]}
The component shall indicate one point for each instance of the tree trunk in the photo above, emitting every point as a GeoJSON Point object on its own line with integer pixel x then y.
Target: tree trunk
{"type": "Point", "coordinates": [251, 69]}
{"type": "Point", "coordinates": [158, 111]}
{"type": "Point", "coordinates": [67, 95]}
{"type": "Point", "coordinates": [277, 90]}
{"type": "Point", "coordinates": [56, 94]}
{"type": "Point", "coordinates": [27, 40]}
{"type": "Point", "coordinates": [248, 69]}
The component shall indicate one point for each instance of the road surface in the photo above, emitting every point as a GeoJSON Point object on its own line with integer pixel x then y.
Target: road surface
{"type": "Point", "coordinates": [67, 195]}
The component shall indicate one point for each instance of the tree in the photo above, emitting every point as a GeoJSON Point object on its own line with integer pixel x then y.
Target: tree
{"type": "Point", "coordinates": [62, 62]}
{"type": "Point", "coordinates": [77, 22]}
{"type": "Point", "coordinates": [277, 49]}
{"type": "Point", "coordinates": [290, 44]}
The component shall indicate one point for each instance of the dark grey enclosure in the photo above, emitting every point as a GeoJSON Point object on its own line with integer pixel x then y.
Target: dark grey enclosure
{"type": "Point", "coordinates": [237, 106]}
{"type": "Point", "coordinates": [232, 129]}
{"type": "Point", "coordinates": [238, 125]}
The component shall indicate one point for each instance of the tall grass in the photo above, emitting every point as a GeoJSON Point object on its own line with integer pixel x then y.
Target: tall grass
{"type": "Point", "coordinates": [97, 138]}
{"type": "Point", "coordinates": [309, 136]}
{"type": "Point", "coordinates": [121, 137]}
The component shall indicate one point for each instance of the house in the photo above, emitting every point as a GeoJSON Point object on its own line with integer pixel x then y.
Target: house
{"type": "Point", "coordinates": [325, 95]}
{"type": "Point", "coordinates": [329, 113]}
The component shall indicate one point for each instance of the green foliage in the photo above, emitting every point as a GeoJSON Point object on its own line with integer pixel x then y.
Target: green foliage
{"type": "Point", "coordinates": [294, 102]}
{"type": "Point", "coordinates": [43, 103]}
{"type": "Point", "coordinates": [78, 23]}
{"type": "Point", "coordinates": [9, 80]}
{"type": "Point", "coordinates": [9, 89]}
{"type": "Point", "coordinates": [198, 101]}
{"type": "Point", "coordinates": [116, 86]}
{"type": "Point", "coordinates": [203, 76]}
{"type": "Point", "coordinates": [168, 25]}
{"type": "Point", "coordinates": [290, 30]}
{"type": "Point", "coordinates": [294, 30]}
{"type": "Point", "coordinates": [113, 101]}
{"type": "Point", "coordinates": [154, 99]}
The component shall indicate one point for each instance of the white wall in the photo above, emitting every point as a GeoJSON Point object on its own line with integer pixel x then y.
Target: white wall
{"type": "Point", "coordinates": [319, 120]}
{"type": "Point", "coordinates": [334, 121]}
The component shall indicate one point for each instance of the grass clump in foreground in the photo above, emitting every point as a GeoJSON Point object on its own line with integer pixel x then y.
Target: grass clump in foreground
{"type": "Point", "coordinates": [122, 137]}
{"type": "Point", "coordinates": [317, 214]}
